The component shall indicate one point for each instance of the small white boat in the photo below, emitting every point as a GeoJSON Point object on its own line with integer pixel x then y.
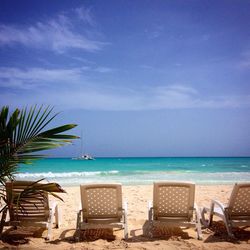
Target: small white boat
{"type": "Point", "coordinates": [83, 156]}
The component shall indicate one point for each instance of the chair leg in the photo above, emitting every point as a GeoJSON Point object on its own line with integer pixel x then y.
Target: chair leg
{"type": "Point", "coordinates": [198, 223]}
{"type": "Point", "coordinates": [50, 222]}
{"type": "Point", "coordinates": [211, 214]}
{"type": "Point", "coordinates": [209, 222]}
{"type": "Point", "coordinates": [78, 227]}
{"type": "Point", "coordinates": [57, 217]}
{"type": "Point", "coordinates": [4, 214]}
{"type": "Point", "coordinates": [204, 210]}
{"type": "Point", "coordinates": [125, 227]}
{"type": "Point", "coordinates": [228, 226]}
{"type": "Point", "coordinates": [204, 222]}
{"type": "Point", "coordinates": [49, 231]}
{"type": "Point", "coordinates": [150, 229]}
{"type": "Point", "coordinates": [150, 214]}
{"type": "Point", "coordinates": [150, 218]}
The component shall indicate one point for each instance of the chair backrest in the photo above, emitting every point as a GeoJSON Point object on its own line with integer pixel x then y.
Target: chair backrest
{"type": "Point", "coordinates": [101, 201]}
{"type": "Point", "coordinates": [239, 202]}
{"type": "Point", "coordinates": [174, 199]}
{"type": "Point", "coordinates": [31, 206]}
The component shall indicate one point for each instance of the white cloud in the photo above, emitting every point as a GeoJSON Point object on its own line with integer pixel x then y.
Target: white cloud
{"type": "Point", "coordinates": [56, 34]}
{"type": "Point", "coordinates": [101, 99]}
{"type": "Point", "coordinates": [146, 67]}
{"type": "Point", "coordinates": [244, 62]}
{"type": "Point", "coordinates": [154, 32]}
{"type": "Point", "coordinates": [85, 15]}
{"type": "Point", "coordinates": [103, 69]}
{"type": "Point", "coordinates": [34, 77]}
{"type": "Point", "coordinates": [71, 88]}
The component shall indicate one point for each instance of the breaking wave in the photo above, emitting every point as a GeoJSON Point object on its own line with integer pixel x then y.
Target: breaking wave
{"type": "Point", "coordinates": [136, 177]}
{"type": "Point", "coordinates": [65, 174]}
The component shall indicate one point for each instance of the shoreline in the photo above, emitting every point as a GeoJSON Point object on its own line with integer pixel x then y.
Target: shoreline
{"type": "Point", "coordinates": [70, 186]}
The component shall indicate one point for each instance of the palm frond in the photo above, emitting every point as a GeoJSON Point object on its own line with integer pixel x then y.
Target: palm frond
{"type": "Point", "coordinates": [22, 134]}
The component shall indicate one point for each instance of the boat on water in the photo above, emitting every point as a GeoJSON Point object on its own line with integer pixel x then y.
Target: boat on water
{"type": "Point", "coordinates": [86, 157]}
{"type": "Point", "coordinates": [83, 156]}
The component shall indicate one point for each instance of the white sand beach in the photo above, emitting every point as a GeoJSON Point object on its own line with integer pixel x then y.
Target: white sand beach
{"type": "Point", "coordinates": [137, 198]}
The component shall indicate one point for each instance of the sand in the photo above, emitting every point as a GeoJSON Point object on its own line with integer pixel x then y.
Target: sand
{"type": "Point", "coordinates": [137, 198]}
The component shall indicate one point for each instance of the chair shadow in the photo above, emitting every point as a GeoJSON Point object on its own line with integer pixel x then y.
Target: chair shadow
{"type": "Point", "coordinates": [149, 233]}
{"type": "Point", "coordinates": [88, 235]}
{"type": "Point", "coordinates": [157, 231]}
{"type": "Point", "coordinates": [19, 235]}
{"type": "Point", "coordinates": [217, 233]}
{"type": "Point", "coordinates": [63, 238]}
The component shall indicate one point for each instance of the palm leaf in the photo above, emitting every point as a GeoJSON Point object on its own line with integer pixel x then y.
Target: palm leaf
{"type": "Point", "coordinates": [22, 134]}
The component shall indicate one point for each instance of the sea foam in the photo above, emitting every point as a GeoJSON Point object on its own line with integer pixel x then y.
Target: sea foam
{"type": "Point", "coordinates": [136, 178]}
{"type": "Point", "coordinates": [64, 174]}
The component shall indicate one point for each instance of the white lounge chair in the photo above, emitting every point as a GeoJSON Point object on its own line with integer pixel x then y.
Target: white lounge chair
{"type": "Point", "coordinates": [235, 213]}
{"type": "Point", "coordinates": [32, 208]}
{"type": "Point", "coordinates": [102, 208]}
{"type": "Point", "coordinates": [173, 204]}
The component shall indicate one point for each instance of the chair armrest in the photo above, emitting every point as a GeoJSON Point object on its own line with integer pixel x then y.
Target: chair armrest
{"type": "Point", "coordinates": [53, 206]}
{"type": "Point", "coordinates": [125, 206]}
{"type": "Point", "coordinates": [55, 213]}
{"type": "Point", "coordinates": [150, 204]}
{"type": "Point", "coordinates": [196, 208]}
{"type": "Point", "coordinates": [150, 210]}
{"type": "Point", "coordinates": [197, 213]}
{"type": "Point", "coordinates": [218, 203]}
{"type": "Point", "coordinates": [214, 203]}
{"type": "Point", "coordinates": [52, 209]}
{"type": "Point", "coordinates": [79, 212]}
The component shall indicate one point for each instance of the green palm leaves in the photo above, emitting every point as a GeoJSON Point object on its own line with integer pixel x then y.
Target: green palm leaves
{"type": "Point", "coordinates": [23, 134]}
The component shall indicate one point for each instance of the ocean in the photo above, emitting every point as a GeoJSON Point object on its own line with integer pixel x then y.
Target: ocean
{"type": "Point", "coordinates": [138, 171]}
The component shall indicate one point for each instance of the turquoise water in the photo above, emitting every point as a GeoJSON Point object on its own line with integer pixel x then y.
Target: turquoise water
{"type": "Point", "coordinates": [131, 171]}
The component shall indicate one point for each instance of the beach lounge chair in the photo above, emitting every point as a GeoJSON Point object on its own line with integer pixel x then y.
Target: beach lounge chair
{"type": "Point", "coordinates": [102, 208]}
{"type": "Point", "coordinates": [173, 205]}
{"type": "Point", "coordinates": [32, 208]}
{"type": "Point", "coordinates": [235, 213]}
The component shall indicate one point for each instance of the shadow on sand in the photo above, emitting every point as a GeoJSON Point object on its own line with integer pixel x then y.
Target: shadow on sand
{"type": "Point", "coordinates": [148, 233]}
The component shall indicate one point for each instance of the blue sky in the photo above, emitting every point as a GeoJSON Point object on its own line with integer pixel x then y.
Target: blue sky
{"type": "Point", "coordinates": [140, 78]}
